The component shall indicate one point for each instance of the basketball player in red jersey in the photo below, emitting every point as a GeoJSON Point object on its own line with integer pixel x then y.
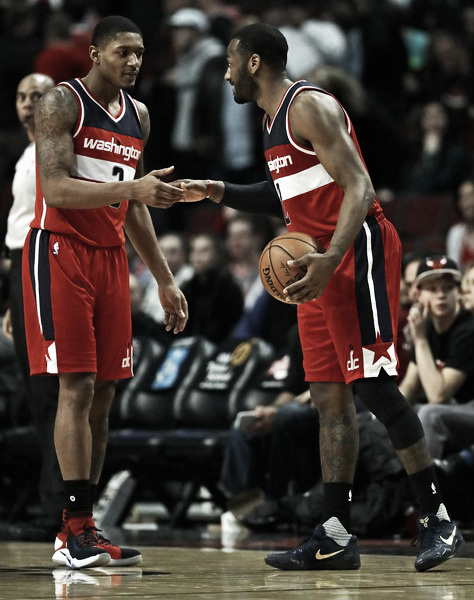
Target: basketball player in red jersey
{"type": "Point", "coordinates": [348, 300]}
{"type": "Point", "coordinates": [91, 190]}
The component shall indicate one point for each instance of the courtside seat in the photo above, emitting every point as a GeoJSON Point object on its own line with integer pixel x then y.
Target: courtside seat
{"type": "Point", "coordinates": [265, 387]}
{"type": "Point", "coordinates": [205, 414]}
{"type": "Point", "coordinates": [146, 406]}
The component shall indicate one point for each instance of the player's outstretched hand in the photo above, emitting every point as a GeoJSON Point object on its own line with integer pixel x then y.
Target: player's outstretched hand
{"type": "Point", "coordinates": [175, 306]}
{"type": "Point", "coordinates": [194, 190]}
{"type": "Point", "coordinates": [151, 190]}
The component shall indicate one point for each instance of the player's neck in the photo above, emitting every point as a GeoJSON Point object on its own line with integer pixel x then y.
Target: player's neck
{"type": "Point", "coordinates": [106, 94]}
{"type": "Point", "coordinates": [272, 94]}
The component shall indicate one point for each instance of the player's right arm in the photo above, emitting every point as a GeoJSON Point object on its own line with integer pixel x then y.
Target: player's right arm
{"type": "Point", "coordinates": [257, 198]}
{"type": "Point", "coordinates": [55, 119]}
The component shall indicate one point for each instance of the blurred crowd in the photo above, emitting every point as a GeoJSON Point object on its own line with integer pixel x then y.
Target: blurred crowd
{"type": "Point", "coordinates": [403, 69]}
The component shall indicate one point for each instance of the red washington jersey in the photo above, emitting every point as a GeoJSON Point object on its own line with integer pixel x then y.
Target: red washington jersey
{"type": "Point", "coordinates": [106, 148]}
{"type": "Point", "coordinates": [310, 198]}
{"type": "Point", "coordinates": [349, 332]}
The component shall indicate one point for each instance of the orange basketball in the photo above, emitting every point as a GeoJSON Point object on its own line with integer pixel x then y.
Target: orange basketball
{"type": "Point", "coordinates": [275, 274]}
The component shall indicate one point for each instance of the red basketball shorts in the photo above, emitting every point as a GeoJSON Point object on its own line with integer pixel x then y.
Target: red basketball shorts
{"type": "Point", "coordinates": [77, 307]}
{"type": "Point", "coordinates": [350, 332]}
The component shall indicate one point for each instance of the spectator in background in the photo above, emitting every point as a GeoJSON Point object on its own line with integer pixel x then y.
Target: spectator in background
{"type": "Point", "coordinates": [467, 287]}
{"type": "Point", "coordinates": [447, 77]}
{"type": "Point", "coordinates": [280, 448]}
{"type": "Point", "coordinates": [460, 236]}
{"type": "Point", "coordinates": [456, 469]}
{"type": "Point", "coordinates": [174, 246]}
{"type": "Point", "coordinates": [441, 372]}
{"type": "Point", "coordinates": [193, 145]}
{"type": "Point", "coordinates": [410, 264]}
{"type": "Point", "coordinates": [194, 48]}
{"type": "Point", "coordinates": [433, 163]}
{"type": "Point", "coordinates": [61, 58]}
{"type": "Point", "coordinates": [142, 323]}
{"type": "Point", "coordinates": [374, 124]}
{"type": "Point", "coordinates": [20, 40]}
{"type": "Point", "coordinates": [215, 300]}
{"type": "Point", "coordinates": [41, 392]}
{"type": "Point", "coordinates": [312, 42]}
{"type": "Point", "coordinates": [245, 238]}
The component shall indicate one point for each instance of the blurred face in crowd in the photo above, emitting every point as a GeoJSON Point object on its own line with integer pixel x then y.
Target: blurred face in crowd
{"type": "Point", "coordinates": [204, 254]}
{"type": "Point", "coordinates": [434, 117]}
{"type": "Point", "coordinates": [29, 91]}
{"type": "Point", "coordinates": [241, 242]}
{"type": "Point", "coordinates": [467, 289]}
{"type": "Point", "coordinates": [184, 39]}
{"type": "Point", "coordinates": [466, 201]}
{"type": "Point", "coordinates": [408, 292]}
{"type": "Point", "coordinates": [440, 294]}
{"type": "Point", "coordinates": [174, 251]}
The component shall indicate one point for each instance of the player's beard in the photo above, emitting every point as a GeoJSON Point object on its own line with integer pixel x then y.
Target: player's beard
{"type": "Point", "coordinates": [245, 89]}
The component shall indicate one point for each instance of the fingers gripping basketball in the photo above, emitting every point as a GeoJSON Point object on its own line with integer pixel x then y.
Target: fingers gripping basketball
{"type": "Point", "coordinates": [275, 273]}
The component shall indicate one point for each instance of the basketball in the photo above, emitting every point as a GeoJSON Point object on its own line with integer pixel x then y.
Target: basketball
{"type": "Point", "coordinates": [275, 274]}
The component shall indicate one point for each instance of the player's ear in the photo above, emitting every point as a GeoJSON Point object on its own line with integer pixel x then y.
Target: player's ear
{"type": "Point", "coordinates": [254, 63]}
{"type": "Point", "coordinates": [94, 54]}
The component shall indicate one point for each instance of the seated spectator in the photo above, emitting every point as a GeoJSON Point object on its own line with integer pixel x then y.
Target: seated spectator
{"type": "Point", "coordinates": [460, 236]}
{"type": "Point", "coordinates": [142, 323]}
{"type": "Point", "coordinates": [434, 163]}
{"type": "Point", "coordinates": [215, 300]}
{"type": "Point", "coordinates": [266, 319]}
{"type": "Point", "coordinates": [245, 238]}
{"type": "Point", "coordinates": [440, 374]}
{"type": "Point", "coordinates": [279, 449]}
{"type": "Point", "coordinates": [456, 471]}
{"type": "Point", "coordinates": [175, 248]}
{"type": "Point", "coordinates": [467, 287]}
{"type": "Point", "coordinates": [410, 263]}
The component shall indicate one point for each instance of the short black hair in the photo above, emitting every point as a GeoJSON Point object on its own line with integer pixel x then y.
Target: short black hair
{"type": "Point", "coordinates": [266, 41]}
{"type": "Point", "coordinates": [108, 28]}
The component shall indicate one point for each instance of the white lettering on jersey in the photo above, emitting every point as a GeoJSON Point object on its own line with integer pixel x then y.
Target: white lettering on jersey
{"type": "Point", "coordinates": [127, 152]}
{"type": "Point", "coordinates": [280, 162]}
{"type": "Point", "coordinates": [352, 363]}
{"type": "Point", "coordinates": [127, 361]}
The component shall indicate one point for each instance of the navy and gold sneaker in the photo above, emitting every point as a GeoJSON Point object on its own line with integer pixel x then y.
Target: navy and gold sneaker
{"type": "Point", "coordinates": [319, 552]}
{"type": "Point", "coordinates": [439, 541]}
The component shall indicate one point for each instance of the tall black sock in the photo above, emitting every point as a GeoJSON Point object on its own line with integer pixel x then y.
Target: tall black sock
{"type": "Point", "coordinates": [425, 484]}
{"type": "Point", "coordinates": [337, 503]}
{"type": "Point", "coordinates": [77, 497]}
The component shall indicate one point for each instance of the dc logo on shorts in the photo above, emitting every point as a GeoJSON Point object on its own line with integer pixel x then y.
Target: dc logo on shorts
{"type": "Point", "coordinates": [56, 248]}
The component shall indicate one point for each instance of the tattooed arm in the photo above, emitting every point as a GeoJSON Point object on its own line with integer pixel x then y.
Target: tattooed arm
{"type": "Point", "coordinates": [55, 118]}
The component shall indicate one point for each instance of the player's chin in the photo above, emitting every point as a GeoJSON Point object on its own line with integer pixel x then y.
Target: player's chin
{"type": "Point", "coordinates": [128, 82]}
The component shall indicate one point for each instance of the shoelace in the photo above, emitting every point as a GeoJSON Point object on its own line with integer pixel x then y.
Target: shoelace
{"type": "Point", "coordinates": [100, 538]}
{"type": "Point", "coordinates": [424, 538]}
{"type": "Point", "coordinates": [89, 534]}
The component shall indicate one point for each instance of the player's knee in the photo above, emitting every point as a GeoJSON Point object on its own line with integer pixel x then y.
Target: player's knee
{"type": "Point", "coordinates": [383, 398]}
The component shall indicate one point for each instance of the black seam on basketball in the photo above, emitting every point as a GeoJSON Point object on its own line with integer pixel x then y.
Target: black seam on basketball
{"type": "Point", "coordinates": [273, 268]}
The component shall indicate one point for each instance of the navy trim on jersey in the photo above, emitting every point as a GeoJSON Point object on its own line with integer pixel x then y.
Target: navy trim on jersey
{"type": "Point", "coordinates": [365, 308]}
{"type": "Point", "coordinates": [102, 118]}
{"type": "Point", "coordinates": [38, 254]}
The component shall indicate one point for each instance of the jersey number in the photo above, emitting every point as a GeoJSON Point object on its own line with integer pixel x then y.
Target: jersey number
{"type": "Point", "coordinates": [117, 172]}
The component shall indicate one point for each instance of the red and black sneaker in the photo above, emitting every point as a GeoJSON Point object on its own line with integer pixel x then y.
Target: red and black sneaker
{"type": "Point", "coordinates": [119, 557]}
{"type": "Point", "coordinates": [81, 548]}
